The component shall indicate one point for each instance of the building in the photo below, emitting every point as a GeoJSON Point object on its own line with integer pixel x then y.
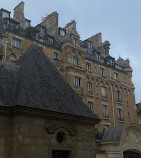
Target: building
{"type": "Point", "coordinates": [40, 114]}
{"type": "Point", "coordinates": [139, 112]}
{"type": "Point", "coordinates": [104, 84]}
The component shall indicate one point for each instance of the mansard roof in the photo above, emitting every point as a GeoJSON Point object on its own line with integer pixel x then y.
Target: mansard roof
{"type": "Point", "coordinates": [1, 25]}
{"type": "Point", "coordinates": [35, 82]}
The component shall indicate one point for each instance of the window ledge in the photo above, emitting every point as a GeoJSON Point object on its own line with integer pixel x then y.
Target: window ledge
{"type": "Point", "coordinates": [121, 121]}
{"type": "Point", "coordinates": [106, 118]}
{"type": "Point", "coordinates": [119, 102]}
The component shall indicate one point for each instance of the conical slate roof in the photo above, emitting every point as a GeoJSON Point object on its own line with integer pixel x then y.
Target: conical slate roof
{"type": "Point", "coordinates": [39, 84]}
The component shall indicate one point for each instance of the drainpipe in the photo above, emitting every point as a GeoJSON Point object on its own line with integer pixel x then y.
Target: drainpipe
{"type": "Point", "coordinates": [5, 54]}
{"type": "Point", "coordinates": [113, 109]}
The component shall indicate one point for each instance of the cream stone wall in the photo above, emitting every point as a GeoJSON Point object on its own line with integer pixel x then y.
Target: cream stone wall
{"type": "Point", "coordinates": [69, 71]}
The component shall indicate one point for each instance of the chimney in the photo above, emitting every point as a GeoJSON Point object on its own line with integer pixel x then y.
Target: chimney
{"type": "Point", "coordinates": [106, 45]}
{"type": "Point", "coordinates": [70, 27]}
{"type": "Point", "coordinates": [19, 14]}
{"type": "Point", "coordinates": [51, 24]}
{"type": "Point", "coordinates": [97, 41]}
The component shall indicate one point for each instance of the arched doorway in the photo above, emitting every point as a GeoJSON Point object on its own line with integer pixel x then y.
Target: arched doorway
{"type": "Point", "coordinates": [131, 154]}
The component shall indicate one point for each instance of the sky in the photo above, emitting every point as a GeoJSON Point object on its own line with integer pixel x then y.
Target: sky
{"type": "Point", "coordinates": [119, 21]}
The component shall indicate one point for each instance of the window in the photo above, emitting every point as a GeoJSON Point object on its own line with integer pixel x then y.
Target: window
{"type": "Point", "coordinates": [56, 56]}
{"type": "Point", "coordinates": [120, 114]}
{"type": "Point", "coordinates": [75, 60]}
{"type": "Point", "coordinates": [89, 86]}
{"type": "Point", "coordinates": [42, 31]}
{"type": "Point", "coordinates": [90, 45]}
{"type": "Point", "coordinates": [116, 76]}
{"type": "Point", "coordinates": [119, 96]}
{"type": "Point", "coordinates": [90, 105]}
{"type": "Point", "coordinates": [88, 66]}
{"type": "Point", "coordinates": [5, 14]}
{"type": "Point", "coordinates": [62, 32]}
{"type": "Point", "coordinates": [102, 71]}
{"type": "Point", "coordinates": [103, 91]}
{"type": "Point", "coordinates": [50, 41]}
{"type": "Point", "coordinates": [27, 23]}
{"type": "Point", "coordinates": [16, 43]}
{"type": "Point", "coordinates": [74, 41]}
{"type": "Point", "coordinates": [77, 81]}
{"type": "Point", "coordinates": [105, 111]}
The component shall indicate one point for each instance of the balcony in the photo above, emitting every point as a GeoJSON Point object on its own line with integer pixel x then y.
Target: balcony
{"type": "Point", "coordinates": [119, 100]}
{"type": "Point", "coordinates": [121, 119]}
{"type": "Point", "coordinates": [105, 116]}
{"type": "Point", "coordinates": [104, 97]}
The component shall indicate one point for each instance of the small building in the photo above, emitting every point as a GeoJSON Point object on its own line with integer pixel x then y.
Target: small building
{"type": "Point", "coordinates": [40, 114]}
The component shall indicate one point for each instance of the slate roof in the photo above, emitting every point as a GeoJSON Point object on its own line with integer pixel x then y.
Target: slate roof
{"type": "Point", "coordinates": [35, 82]}
{"type": "Point", "coordinates": [114, 133]}
{"type": "Point", "coordinates": [1, 25]}
{"type": "Point", "coordinates": [123, 63]}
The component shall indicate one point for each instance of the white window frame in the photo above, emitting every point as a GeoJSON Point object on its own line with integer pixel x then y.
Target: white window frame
{"type": "Point", "coordinates": [75, 60]}
{"type": "Point", "coordinates": [17, 43]}
{"type": "Point", "coordinates": [77, 81]}
{"type": "Point", "coordinates": [88, 66]}
{"type": "Point", "coordinates": [90, 105]}
{"type": "Point", "coordinates": [105, 111]}
{"type": "Point", "coordinates": [120, 114]}
{"type": "Point", "coordinates": [102, 72]}
{"type": "Point", "coordinates": [56, 56]}
{"type": "Point", "coordinates": [89, 86]}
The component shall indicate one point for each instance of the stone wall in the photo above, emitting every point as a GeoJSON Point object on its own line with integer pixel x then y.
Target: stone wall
{"type": "Point", "coordinates": [36, 137]}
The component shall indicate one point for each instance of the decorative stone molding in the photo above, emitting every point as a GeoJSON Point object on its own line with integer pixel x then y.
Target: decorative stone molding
{"type": "Point", "coordinates": [71, 130]}
{"type": "Point", "coordinates": [131, 138]}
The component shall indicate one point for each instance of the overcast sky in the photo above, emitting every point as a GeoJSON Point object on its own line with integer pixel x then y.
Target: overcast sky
{"type": "Point", "coordinates": [119, 21]}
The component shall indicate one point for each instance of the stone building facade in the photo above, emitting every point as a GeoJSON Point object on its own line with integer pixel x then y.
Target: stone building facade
{"type": "Point", "coordinates": [104, 84]}
{"type": "Point", "coordinates": [40, 114]}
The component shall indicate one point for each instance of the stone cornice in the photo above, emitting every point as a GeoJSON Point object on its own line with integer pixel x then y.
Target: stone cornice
{"type": "Point", "coordinates": [29, 111]}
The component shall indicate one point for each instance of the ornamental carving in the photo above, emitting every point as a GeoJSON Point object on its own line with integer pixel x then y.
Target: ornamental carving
{"type": "Point", "coordinates": [131, 138]}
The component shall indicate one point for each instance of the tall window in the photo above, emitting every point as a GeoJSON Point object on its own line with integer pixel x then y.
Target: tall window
{"type": "Point", "coordinates": [120, 114]}
{"type": "Point", "coordinates": [62, 32]}
{"type": "Point", "coordinates": [90, 45]}
{"type": "Point", "coordinates": [88, 66]}
{"type": "Point", "coordinates": [90, 105]}
{"type": "Point", "coordinates": [105, 111]}
{"type": "Point", "coordinates": [56, 56]}
{"type": "Point", "coordinates": [16, 42]}
{"type": "Point", "coordinates": [75, 60]}
{"type": "Point", "coordinates": [89, 86]}
{"type": "Point", "coordinates": [103, 91]}
{"type": "Point", "coordinates": [74, 41]}
{"type": "Point", "coordinates": [119, 96]}
{"type": "Point", "coordinates": [116, 76]}
{"type": "Point", "coordinates": [5, 15]}
{"type": "Point", "coordinates": [102, 71]}
{"type": "Point", "coordinates": [77, 81]}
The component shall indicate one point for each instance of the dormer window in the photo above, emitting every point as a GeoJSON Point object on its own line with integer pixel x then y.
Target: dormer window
{"type": "Point", "coordinates": [5, 14]}
{"type": "Point", "coordinates": [42, 31]}
{"type": "Point", "coordinates": [90, 45]}
{"type": "Point", "coordinates": [62, 32]}
{"type": "Point", "coordinates": [27, 23]}
{"type": "Point", "coordinates": [50, 40]}
{"type": "Point", "coordinates": [74, 41]}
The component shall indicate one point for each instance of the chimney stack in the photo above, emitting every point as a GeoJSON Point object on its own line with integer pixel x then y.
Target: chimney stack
{"type": "Point", "coordinates": [51, 24]}
{"type": "Point", "coordinates": [19, 14]}
{"type": "Point", "coordinates": [106, 45]}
